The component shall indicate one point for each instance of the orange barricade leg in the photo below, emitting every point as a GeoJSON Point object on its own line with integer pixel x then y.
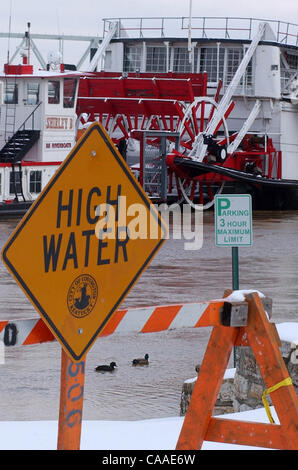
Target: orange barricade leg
{"type": "Point", "coordinates": [199, 425]}
{"type": "Point", "coordinates": [71, 403]}
{"type": "Point", "coordinates": [206, 390]}
{"type": "Point", "coordinates": [273, 370]}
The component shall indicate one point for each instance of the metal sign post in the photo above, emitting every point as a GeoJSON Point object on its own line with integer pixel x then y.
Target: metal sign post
{"type": "Point", "coordinates": [233, 227]}
{"type": "Point", "coordinates": [71, 403]}
{"type": "Point", "coordinates": [235, 268]}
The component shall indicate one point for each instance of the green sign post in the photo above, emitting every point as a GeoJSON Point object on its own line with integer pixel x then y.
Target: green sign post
{"type": "Point", "coordinates": [233, 227]}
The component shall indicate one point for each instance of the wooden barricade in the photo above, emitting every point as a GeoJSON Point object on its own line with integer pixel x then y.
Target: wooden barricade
{"type": "Point", "coordinates": [261, 336]}
{"type": "Point", "coordinates": [234, 324]}
{"type": "Point", "coordinates": [133, 320]}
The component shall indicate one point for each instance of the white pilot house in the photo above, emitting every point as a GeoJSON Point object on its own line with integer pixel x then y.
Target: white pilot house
{"type": "Point", "coordinates": [37, 130]}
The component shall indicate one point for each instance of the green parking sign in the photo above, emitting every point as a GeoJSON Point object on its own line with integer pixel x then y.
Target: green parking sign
{"type": "Point", "coordinates": [233, 220]}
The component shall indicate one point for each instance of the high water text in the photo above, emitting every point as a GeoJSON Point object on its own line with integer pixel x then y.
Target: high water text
{"type": "Point", "coordinates": [71, 247]}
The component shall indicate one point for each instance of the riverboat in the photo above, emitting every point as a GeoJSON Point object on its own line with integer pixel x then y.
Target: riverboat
{"type": "Point", "coordinates": [209, 107]}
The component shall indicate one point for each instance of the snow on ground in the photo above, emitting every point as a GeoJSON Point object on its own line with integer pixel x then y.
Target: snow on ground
{"type": "Point", "coordinates": [149, 434]}
{"type": "Point", "coordinates": [229, 374]}
{"type": "Point", "coordinates": [288, 331]}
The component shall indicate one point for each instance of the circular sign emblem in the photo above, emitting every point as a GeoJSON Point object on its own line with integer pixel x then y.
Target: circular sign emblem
{"type": "Point", "coordinates": [82, 296]}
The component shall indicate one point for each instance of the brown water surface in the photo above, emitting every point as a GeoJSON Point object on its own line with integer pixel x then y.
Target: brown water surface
{"type": "Point", "coordinates": [29, 387]}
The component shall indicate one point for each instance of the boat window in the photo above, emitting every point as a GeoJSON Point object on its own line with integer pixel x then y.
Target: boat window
{"type": "Point", "coordinates": [235, 55]}
{"type": "Point", "coordinates": [181, 60]}
{"type": "Point", "coordinates": [15, 185]}
{"type": "Point", "coordinates": [212, 62]}
{"type": "Point", "coordinates": [292, 60]}
{"type": "Point", "coordinates": [32, 93]}
{"type": "Point", "coordinates": [35, 181]}
{"type": "Point", "coordinates": [69, 92]}
{"type": "Point", "coordinates": [288, 68]}
{"type": "Point", "coordinates": [11, 93]}
{"type": "Point", "coordinates": [54, 92]}
{"type": "Point", "coordinates": [132, 58]}
{"type": "Point", "coordinates": [156, 59]}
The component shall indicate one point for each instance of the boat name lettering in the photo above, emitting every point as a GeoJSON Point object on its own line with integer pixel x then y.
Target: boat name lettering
{"type": "Point", "coordinates": [58, 145]}
{"type": "Point", "coordinates": [65, 123]}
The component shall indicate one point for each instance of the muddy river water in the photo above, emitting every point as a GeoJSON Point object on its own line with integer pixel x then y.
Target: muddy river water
{"type": "Point", "coordinates": [30, 376]}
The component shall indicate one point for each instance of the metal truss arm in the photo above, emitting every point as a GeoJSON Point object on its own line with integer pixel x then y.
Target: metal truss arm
{"type": "Point", "coordinates": [102, 48]}
{"type": "Point", "coordinates": [38, 54]}
{"type": "Point", "coordinates": [19, 47]}
{"type": "Point", "coordinates": [246, 126]}
{"type": "Point", "coordinates": [199, 151]}
{"type": "Point", "coordinates": [93, 44]}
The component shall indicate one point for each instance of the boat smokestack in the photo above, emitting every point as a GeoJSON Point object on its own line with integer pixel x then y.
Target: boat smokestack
{"type": "Point", "coordinates": [27, 35]}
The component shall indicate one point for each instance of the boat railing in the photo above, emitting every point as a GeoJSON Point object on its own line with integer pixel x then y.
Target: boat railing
{"type": "Point", "coordinates": [201, 27]}
{"type": "Point", "coordinates": [24, 125]}
{"type": "Point", "coordinates": [26, 121]}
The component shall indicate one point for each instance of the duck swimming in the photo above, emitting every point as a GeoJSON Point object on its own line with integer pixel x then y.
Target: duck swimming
{"type": "Point", "coordinates": [106, 368]}
{"type": "Point", "coordinates": [144, 361]}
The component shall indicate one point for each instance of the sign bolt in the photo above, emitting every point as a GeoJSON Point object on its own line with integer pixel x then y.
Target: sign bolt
{"type": "Point", "coordinates": [80, 331]}
{"type": "Point", "coordinates": [93, 153]}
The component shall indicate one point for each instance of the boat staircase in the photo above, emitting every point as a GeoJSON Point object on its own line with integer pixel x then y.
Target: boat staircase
{"type": "Point", "coordinates": [17, 146]}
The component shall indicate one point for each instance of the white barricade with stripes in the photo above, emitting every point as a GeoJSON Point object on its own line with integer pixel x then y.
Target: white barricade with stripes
{"type": "Point", "coordinates": [136, 320]}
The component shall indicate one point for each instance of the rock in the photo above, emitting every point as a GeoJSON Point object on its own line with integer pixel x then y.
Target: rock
{"type": "Point", "coordinates": [224, 402]}
{"type": "Point", "coordinates": [248, 382]}
{"type": "Point", "coordinates": [242, 388]}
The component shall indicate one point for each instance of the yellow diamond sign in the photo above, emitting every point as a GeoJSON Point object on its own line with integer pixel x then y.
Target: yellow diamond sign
{"type": "Point", "coordinates": [84, 242]}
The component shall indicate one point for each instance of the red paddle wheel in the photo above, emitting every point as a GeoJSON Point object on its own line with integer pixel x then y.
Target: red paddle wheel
{"type": "Point", "coordinates": [175, 106]}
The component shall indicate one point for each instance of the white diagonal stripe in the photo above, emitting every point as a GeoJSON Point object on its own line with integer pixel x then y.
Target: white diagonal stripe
{"type": "Point", "coordinates": [134, 319]}
{"type": "Point", "coordinates": [24, 328]}
{"type": "Point", "coordinates": [188, 315]}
